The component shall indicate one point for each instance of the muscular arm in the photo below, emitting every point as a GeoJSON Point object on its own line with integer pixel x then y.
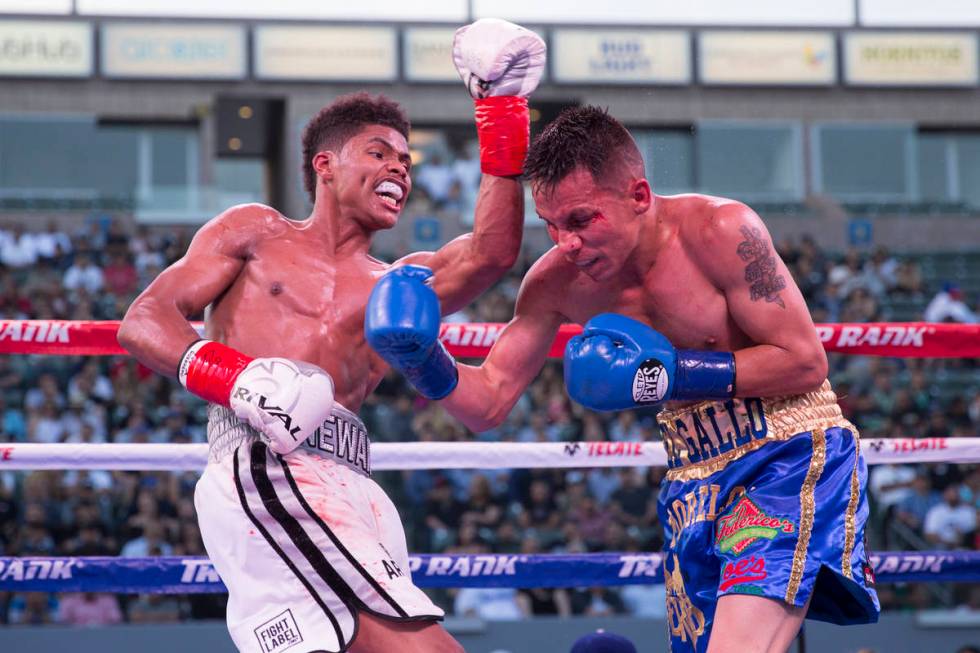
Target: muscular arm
{"type": "Point", "coordinates": [735, 250]}
{"type": "Point", "coordinates": [155, 329]}
{"type": "Point", "coordinates": [468, 265]}
{"type": "Point", "coordinates": [486, 394]}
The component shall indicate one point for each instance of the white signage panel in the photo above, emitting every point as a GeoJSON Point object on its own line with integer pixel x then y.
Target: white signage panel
{"type": "Point", "coordinates": [767, 58]}
{"type": "Point", "coordinates": [325, 53]}
{"type": "Point", "coordinates": [910, 58]}
{"type": "Point", "coordinates": [453, 11]}
{"type": "Point", "coordinates": [621, 56]}
{"type": "Point", "coordinates": [35, 6]}
{"type": "Point", "coordinates": [35, 48]}
{"type": "Point", "coordinates": [783, 13]}
{"type": "Point", "coordinates": [173, 50]}
{"type": "Point", "coordinates": [916, 13]}
{"type": "Point", "coordinates": [427, 53]}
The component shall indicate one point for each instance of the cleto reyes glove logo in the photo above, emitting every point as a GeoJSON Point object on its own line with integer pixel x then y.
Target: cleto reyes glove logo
{"type": "Point", "coordinates": [650, 382]}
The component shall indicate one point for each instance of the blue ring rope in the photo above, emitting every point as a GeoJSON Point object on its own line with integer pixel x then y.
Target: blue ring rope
{"type": "Point", "coordinates": [176, 575]}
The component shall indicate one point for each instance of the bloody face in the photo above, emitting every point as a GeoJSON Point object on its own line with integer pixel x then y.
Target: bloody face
{"type": "Point", "coordinates": [594, 226]}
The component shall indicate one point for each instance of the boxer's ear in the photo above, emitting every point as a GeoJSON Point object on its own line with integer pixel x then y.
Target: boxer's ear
{"type": "Point", "coordinates": [324, 164]}
{"type": "Point", "coordinates": [640, 195]}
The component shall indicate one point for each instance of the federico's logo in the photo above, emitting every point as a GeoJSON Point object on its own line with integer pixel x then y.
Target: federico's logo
{"type": "Point", "coordinates": [279, 633]}
{"type": "Point", "coordinates": [746, 570]}
{"type": "Point", "coordinates": [650, 382]}
{"type": "Point", "coordinates": [745, 524]}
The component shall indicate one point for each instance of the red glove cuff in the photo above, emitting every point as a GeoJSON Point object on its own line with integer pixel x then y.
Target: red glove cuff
{"type": "Point", "coordinates": [209, 370]}
{"type": "Point", "coordinates": [503, 125]}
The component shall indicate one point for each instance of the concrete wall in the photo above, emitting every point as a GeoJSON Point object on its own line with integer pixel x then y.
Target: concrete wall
{"type": "Point", "coordinates": [893, 634]}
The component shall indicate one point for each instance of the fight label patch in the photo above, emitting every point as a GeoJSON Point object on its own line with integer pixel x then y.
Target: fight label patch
{"type": "Point", "coordinates": [279, 633]}
{"type": "Point", "coordinates": [650, 382]}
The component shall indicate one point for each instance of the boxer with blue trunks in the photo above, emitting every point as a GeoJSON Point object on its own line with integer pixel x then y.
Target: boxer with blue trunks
{"type": "Point", "coordinates": [763, 504]}
{"type": "Point", "coordinates": [764, 497]}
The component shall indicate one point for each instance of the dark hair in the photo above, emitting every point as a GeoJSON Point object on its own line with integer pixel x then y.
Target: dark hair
{"type": "Point", "coordinates": [337, 122]}
{"type": "Point", "coordinates": [584, 136]}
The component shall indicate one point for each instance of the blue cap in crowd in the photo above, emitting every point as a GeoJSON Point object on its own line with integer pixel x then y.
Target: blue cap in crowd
{"type": "Point", "coordinates": [602, 642]}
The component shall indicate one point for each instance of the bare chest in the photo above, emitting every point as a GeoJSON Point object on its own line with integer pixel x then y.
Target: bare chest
{"type": "Point", "coordinates": [305, 308]}
{"type": "Point", "coordinates": [674, 298]}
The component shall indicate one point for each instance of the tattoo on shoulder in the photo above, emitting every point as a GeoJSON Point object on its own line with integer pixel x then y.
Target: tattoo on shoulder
{"type": "Point", "coordinates": [761, 269]}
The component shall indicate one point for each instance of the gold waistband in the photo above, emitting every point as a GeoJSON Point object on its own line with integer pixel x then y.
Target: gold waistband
{"type": "Point", "coordinates": [703, 438]}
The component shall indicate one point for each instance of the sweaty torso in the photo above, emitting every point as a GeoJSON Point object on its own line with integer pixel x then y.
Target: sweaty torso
{"type": "Point", "coordinates": [294, 300]}
{"type": "Point", "coordinates": [674, 296]}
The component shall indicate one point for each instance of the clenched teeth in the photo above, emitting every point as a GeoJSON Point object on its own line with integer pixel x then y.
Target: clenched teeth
{"type": "Point", "coordinates": [389, 189]}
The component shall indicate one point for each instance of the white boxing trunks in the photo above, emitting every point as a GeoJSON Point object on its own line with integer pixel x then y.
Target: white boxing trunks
{"type": "Point", "coordinates": [303, 541]}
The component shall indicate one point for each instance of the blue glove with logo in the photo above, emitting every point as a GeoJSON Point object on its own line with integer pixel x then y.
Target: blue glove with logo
{"type": "Point", "coordinates": [402, 324]}
{"type": "Point", "coordinates": [619, 363]}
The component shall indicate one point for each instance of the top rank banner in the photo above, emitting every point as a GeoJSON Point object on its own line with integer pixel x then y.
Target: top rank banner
{"type": "Point", "coordinates": [176, 575]}
{"type": "Point", "coordinates": [910, 58]}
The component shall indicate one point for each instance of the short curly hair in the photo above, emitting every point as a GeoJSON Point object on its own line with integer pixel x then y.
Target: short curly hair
{"type": "Point", "coordinates": [586, 137]}
{"type": "Point", "coordinates": [337, 122]}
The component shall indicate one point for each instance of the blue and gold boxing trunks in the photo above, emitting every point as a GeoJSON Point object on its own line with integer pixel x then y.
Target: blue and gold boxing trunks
{"type": "Point", "coordinates": [764, 497]}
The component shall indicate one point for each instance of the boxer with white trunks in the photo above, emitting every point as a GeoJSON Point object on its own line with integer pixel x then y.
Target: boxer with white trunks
{"type": "Point", "coordinates": [311, 549]}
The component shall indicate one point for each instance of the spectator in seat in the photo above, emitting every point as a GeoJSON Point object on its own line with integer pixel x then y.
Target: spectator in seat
{"type": "Point", "coordinates": [89, 609]}
{"type": "Point", "coordinates": [912, 510]}
{"type": "Point", "coordinates": [84, 275]}
{"type": "Point", "coordinates": [949, 305]}
{"type": "Point", "coordinates": [948, 523]}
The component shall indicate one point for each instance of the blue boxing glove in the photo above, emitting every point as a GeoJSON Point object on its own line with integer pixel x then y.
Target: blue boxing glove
{"type": "Point", "coordinates": [402, 325]}
{"type": "Point", "coordinates": [618, 363]}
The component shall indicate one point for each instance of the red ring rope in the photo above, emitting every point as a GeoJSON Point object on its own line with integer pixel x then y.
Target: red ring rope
{"type": "Point", "coordinates": [473, 340]}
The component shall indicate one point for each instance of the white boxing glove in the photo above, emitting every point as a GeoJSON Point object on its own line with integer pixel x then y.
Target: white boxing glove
{"type": "Point", "coordinates": [284, 400]}
{"type": "Point", "coordinates": [496, 58]}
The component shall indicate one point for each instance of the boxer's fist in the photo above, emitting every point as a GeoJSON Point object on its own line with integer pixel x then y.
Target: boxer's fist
{"type": "Point", "coordinates": [495, 58]}
{"type": "Point", "coordinates": [284, 400]}
{"type": "Point", "coordinates": [618, 363]}
{"type": "Point", "coordinates": [402, 324]}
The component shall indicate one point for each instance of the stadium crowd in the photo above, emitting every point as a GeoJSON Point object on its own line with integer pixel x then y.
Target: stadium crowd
{"type": "Point", "coordinates": [94, 274]}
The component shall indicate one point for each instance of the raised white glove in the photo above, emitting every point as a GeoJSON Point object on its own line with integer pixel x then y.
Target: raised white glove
{"type": "Point", "coordinates": [495, 58]}
{"type": "Point", "coordinates": [284, 400]}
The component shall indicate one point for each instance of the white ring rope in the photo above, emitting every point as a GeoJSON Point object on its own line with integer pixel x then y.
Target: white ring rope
{"type": "Point", "coordinates": [451, 455]}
